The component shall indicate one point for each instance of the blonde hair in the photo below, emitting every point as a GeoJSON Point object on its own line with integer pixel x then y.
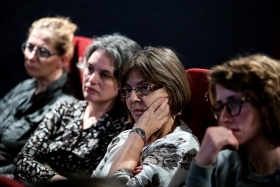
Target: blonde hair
{"type": "Point", "coordinates": [62, 32]}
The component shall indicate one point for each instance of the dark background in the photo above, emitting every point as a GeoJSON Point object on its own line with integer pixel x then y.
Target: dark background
{"type": "Point", "coordinates": [202, 32]}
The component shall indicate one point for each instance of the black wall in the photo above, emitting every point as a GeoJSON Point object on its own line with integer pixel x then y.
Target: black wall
{"type": "Point", "coordinates": [202, 32]}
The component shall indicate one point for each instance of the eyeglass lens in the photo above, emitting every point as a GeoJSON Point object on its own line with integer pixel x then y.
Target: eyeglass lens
{"type": "Point", "coordinates": [140, 90]}
{"type": "Point", "coordinates": [41, 52]}
{"type": "Point", "coordinates": [233, 106]}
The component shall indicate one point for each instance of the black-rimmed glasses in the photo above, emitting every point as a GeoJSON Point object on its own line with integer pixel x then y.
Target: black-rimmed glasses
{"type": "Point", "coordinates": [233, 106]}
{"type": "Point", "coordinates": [41, 52]}
{"type": "Point", "coordinates": [140, 90]}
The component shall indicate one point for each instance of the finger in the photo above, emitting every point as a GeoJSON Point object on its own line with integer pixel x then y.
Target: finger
{"type": "Point", "coordinates": [156, 104]}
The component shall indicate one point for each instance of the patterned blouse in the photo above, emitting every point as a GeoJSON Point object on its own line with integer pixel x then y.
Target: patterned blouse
{"type": "Point", "coordinates": [61, 146]}
{"type": "Point", "coordinates": [165, 162]}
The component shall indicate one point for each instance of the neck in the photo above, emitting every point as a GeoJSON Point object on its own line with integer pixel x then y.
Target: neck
{"type": "Point", "coordinates": [94, 111]}
{"type": "Point", "coordinates": [44, 83]}
{"type": "Point", "coordinates": [166, 129]}
{"type": "Point", "coordinates": [264, 156]}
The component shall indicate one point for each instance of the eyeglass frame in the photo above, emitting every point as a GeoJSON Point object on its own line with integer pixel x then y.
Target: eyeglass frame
{"type": "Point", "coordinates": [25, 45]}
{"type": "Point", "coordinates": [217, 112]}
{"type": "Point", "coordinates": [151, 88]}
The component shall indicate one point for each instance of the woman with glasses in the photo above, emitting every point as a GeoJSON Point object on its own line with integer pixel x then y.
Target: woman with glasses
{"type": "Point", "coordinates": [245, 149]}
{"type": "Point", "coordinates": [160, 145]}
{"type": "Point", "coordinates": [73, 137]}
{"type": "Point", "coordinates": [47, 50]}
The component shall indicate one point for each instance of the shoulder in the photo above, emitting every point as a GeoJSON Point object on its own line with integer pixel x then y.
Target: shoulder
{"type": "Point", "coordinates": [228, 160]}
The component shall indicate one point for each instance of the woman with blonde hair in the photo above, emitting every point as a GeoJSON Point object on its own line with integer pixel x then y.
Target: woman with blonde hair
{"type": "Point", "coordinates": [73, 137]}
{"type": "Point", "coordinates": [47, 50]}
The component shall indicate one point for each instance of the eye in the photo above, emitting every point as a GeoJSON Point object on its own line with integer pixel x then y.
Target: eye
{"type": "Point", "coordinates": [44, 52]}
{"type": "Point", "coordinates": [105, 75]}
{"type": "Point", "coordinates": [144, 89]}
{"type": "Point", "coordinates": [30, 47]}
{"type": "Point", "coordinates": [234, 102]}
{"type": "Point", "coordinates": [218, 106]}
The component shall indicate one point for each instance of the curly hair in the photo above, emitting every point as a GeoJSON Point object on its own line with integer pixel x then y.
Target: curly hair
{"type": "Point", "coordinates": [61, 30]}
{"type": "Point", "coordinates": [257, 78]}
{"type": "Point", "coordinates": [160, 65]}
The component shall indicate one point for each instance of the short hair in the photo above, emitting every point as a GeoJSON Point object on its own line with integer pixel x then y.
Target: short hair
{"type": "Point", "coordinates": [118, 46]}
{"type": "Point", "coordinates": [257, 78]}
{"type": "Point", "coordinates": [160, 65]}
{"type": "Point", "coordinates": [61, 30]}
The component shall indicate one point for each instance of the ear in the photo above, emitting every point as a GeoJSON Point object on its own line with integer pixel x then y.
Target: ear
{"type": "Point", "coordinates": [63, 62]}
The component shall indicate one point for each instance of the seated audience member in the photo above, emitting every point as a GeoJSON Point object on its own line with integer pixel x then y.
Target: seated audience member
{"type": "Point", "coordinates": [47, 50]}
{"type": "Point", "coordinates": [160, 145]}
{"type": "Point", "coordinates": [73, 138]}
{"type": "Point", "coordinates": [244, 150]}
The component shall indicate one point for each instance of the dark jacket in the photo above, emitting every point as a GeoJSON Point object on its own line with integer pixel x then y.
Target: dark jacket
{"type": "Point", "coordinates": [20, 113]}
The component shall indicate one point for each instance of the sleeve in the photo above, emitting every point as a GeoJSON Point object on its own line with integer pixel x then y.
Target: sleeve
{"type": "Point", "coordinates": [166, 163]}
{"type": "Point", "coordinates": [29, 166]}
{"type": "Point", "coordinates": [11, 94]}
{"type": "Point", "coordinates": [199, 176]}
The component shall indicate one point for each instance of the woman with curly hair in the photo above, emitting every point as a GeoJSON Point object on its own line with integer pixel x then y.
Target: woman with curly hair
{"type": "Point", "coordinates": [244, 150]}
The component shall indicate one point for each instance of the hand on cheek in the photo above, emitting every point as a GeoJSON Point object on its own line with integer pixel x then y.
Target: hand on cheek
{"type": "Point", "coordinates": [154, 117]}
{"type": "Point", "coordinates": [215, 140]}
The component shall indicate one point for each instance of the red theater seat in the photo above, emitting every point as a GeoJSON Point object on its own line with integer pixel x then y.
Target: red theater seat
{"type": "Point", "coordinates": [7, 182]}
{"type": "Point", "coordinates": [75, 75]}
{"type": "Point", "coordinates": [198, 114]}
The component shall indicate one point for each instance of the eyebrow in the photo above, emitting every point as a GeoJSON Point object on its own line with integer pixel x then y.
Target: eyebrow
{"type": "Point", "coordinates": [141, 82]}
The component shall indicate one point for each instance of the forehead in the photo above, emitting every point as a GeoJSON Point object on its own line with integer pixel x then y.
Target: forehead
{"type": "Point", "coordinates": [101, 61]}
{"type": "Point", "coordinates": [41, 38]}
{"type": "Point", "coordinates": [135, 78]}
{"type": "Point", "coordinates": [222, 93]}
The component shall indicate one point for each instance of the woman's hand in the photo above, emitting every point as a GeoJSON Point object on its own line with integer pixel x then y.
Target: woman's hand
{"type": "Point", "coordinates": [154, 117]}
{"type": "Point", "coordinates": [57, 177]}
{"type": "Point", "coordinates": [215, 140]}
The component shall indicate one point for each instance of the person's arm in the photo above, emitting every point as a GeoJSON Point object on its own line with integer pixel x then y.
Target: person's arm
{"type": "Point", "coordinates": [165, 162]}
{"type": "Point", "coordinates": [28, 166]}
{"type": "Point", "coordinates": [215, 140]}
{"type": "Point", "coordinates": [150, 121]}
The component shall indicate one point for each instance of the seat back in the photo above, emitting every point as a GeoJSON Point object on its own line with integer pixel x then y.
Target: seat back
{"type": "Point", "coordinates": [198, 114]}
{"type": "Point", "coordinates": [74, 73]}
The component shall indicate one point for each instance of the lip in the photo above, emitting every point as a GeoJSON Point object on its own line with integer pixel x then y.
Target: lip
{"type": "Point", "coordinates": [90, 89]}
{"type": "Point", "coordinates": [138, 112]}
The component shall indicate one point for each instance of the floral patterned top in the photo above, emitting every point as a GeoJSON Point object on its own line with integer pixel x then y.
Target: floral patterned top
{"type": "Point", "coordinates": [165, 162]}
{"type": "Point", "coordinates": [61, 146]}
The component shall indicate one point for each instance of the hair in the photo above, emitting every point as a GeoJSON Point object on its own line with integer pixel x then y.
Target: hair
{"type": "Point", "coordinates": [118, 46]}
{"type": "Point", "coordinates": [257, 78]}
{"type": "Point", "coordinates": [61, 30]}
{"type": "Point", "coordinates": [160, 65]}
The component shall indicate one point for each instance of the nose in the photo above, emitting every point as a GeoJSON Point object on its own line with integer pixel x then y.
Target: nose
{"type": "Point", "coordinates": [31, 54]}
{"type": "Point", "coordinates": [133, 96]}
{"type": "Point", "coordinates": [93, 78]}
{"type": "Point", "coordinates": [225, 117]}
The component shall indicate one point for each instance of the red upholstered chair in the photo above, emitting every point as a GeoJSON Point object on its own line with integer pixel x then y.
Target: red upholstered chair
{"type": "Point", "coordinates": [75, 74]}
{"type": "Point", "coordinates": [198, 114]}
{"type": "Point", "coordinates": [7, 182]}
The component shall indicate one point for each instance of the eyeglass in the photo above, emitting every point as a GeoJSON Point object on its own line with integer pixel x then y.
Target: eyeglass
{"type": "Point", "coordinates": [41, 52]}
{"type": "Point", "coordinates": [140, 90]}
{"type": "Point", "coordinates": [233, 106]}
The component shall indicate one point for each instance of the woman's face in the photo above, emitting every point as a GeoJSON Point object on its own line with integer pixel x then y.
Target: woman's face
{"type": "Point", "coordinates": [137, 104]}
{"type": "Point", "coordinates": [99, 82]}
{"type": "Point", "coordinates": [246, 126]}
{"type": "Point", "coordinates": [42, 69]}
